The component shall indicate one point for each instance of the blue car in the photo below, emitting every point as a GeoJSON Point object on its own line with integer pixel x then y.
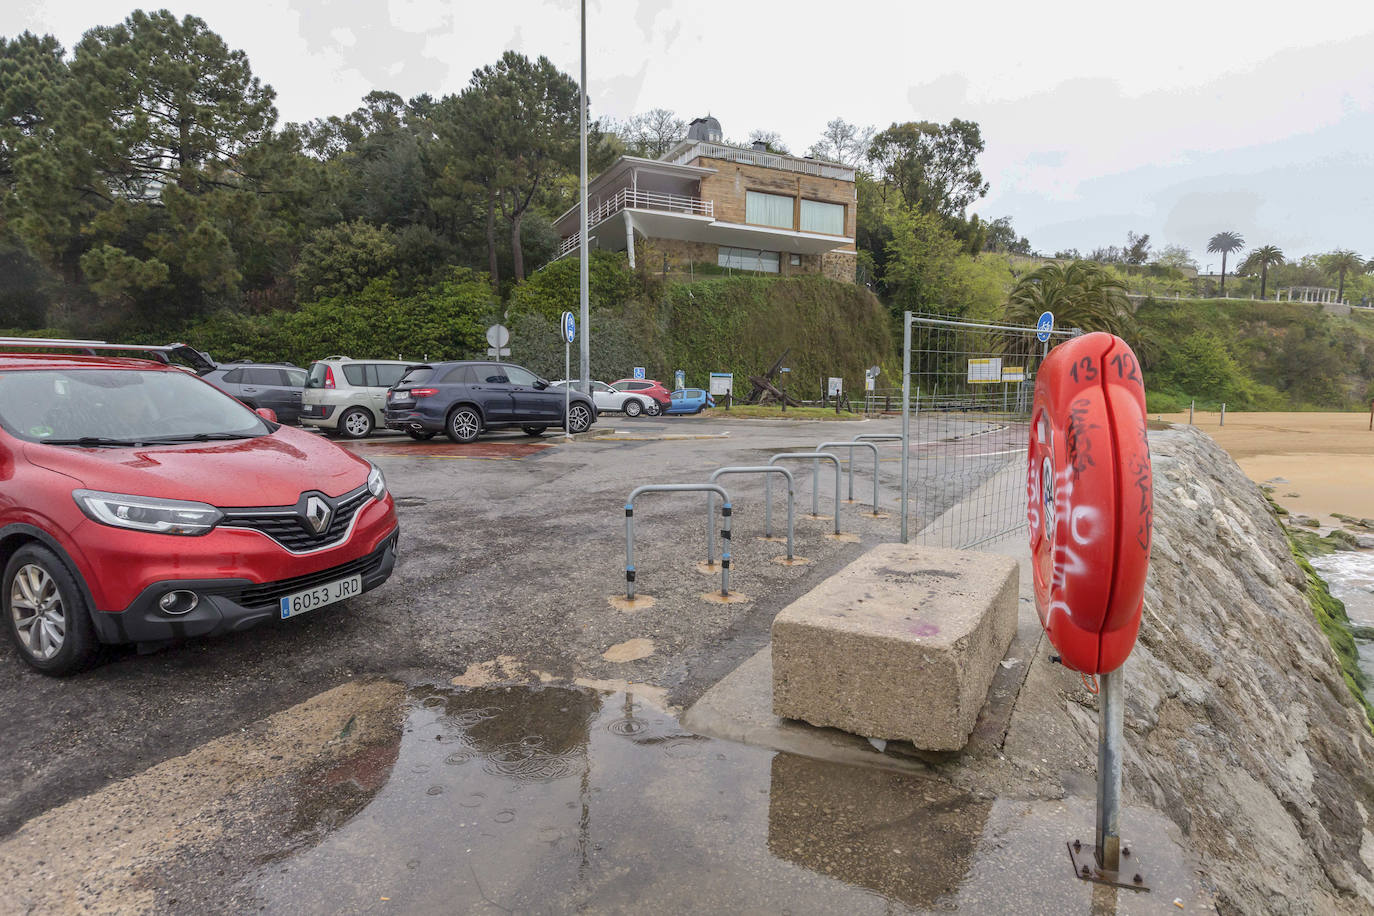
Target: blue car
{"type": "Point", "coordinates": [690, 400]}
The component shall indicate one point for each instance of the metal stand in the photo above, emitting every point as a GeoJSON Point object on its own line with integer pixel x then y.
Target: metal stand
{"type": "Point", "coordinates": [1108, 854]}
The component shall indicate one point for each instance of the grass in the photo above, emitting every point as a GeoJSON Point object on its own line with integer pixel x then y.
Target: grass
{"type": "Point", "coordinates": [773, 412]}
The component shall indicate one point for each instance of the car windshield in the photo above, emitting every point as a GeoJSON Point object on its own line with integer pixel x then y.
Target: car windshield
{"type": "Point", "coordinates": [120, 407]}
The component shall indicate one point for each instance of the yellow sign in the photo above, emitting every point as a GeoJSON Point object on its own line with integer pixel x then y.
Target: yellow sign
{"type": "Point", "coordinates": [985, 371]}
{"type": "Point", "coordinates": [1013, 373]}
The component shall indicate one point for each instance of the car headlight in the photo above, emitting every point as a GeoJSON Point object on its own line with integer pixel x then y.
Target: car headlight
{"type": "Point", "coordinates": [147, 513]}
{"type": "Point", "coordinates": [376, 482]}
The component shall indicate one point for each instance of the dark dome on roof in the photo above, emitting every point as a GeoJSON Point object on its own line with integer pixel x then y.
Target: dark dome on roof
{"type": "Point", "coordinates": [707, 128]}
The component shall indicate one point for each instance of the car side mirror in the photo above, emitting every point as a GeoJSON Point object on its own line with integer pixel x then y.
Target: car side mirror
{"type": "Point", "coordinates": [267, 414]}
{"type": "Point", "coordinates": [540, 384]}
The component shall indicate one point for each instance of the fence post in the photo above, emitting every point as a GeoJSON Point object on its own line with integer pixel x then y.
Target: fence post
{"type": "Point", "coordinates": [1192, 404]}
{"type": "Point", "coordinates": [1223, 413]}
{"type": "Point", "coordinates": [906, 419]}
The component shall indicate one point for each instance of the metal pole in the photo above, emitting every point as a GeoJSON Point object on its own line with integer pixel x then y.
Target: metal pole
{"type": "Point", "coordinates": [584, 346]}
{"type": "Point", "coordinates": [1223, 413]}
{"type": "Point", "coordinates": [567, 386]}
{"type": "Point", "coordinates": [906, 419]}
{"type": "Point", "coordinates": [629, 552]}
{"type": "Point", "coordinates": [725, 549]}
{"type": "Point", "coordinates": [1110, 703]}
{"type": "Point", "coordinates": [1191, 405]}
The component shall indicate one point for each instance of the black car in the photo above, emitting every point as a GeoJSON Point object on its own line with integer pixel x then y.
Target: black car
{"type": "Point", "coordinates": [464, 398]}
{"type": "Point", "coordinates": [278, 386]}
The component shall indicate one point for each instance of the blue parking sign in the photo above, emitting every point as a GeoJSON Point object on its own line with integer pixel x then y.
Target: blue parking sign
{"type": "Point", "coordinates": [639, 372]}
{"type": "Point", "coordinates": [1044, 326]}
{"type": "Point", "coordinates": [569, 327]}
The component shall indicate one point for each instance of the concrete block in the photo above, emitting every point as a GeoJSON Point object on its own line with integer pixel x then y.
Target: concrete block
{"type": "Point", "coordinates": [901, 644]}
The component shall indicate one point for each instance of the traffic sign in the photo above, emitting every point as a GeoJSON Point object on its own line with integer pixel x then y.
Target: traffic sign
{"type": "Point", "coordinates": [639, 372]}
{"type": "Point", "coordinates": [498, 336]}
{"type": "Point", "coordinates": [569, 327]}
{"type": "Point", "coordinates": [1044, 326]}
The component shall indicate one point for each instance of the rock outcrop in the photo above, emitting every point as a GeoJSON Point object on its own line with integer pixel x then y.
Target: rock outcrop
{"type": "Point", "coordinates": [1239, 725]}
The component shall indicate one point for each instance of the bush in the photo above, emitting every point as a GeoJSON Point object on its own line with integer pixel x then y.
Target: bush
{"type": "Point", "coordinates": [556, 288]}
{"type": "Point", "coordinates": [442, 321]}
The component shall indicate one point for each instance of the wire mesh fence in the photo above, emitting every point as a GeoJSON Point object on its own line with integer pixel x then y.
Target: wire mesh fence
{"type": "Point", "coordinates": [971, 387]}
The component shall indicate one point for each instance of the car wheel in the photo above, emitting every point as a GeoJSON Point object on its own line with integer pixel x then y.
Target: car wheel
{"type": "Point", "coordinates": [654, 409]}
{"type": "Point", "coordinates": [534, 430]}
{"type": "Point", "coordinates": [356, 423]}
{"type": "Point", "coordinates": [633, 408]}
{"type": "Point", "coordinates": [420, 435]}
{"type": "Point", "coordinates": [464, 425]}
{"type": "Point", "coordinates": [579, 419]}
{"type": "Point", "coordinates": [47, 613]}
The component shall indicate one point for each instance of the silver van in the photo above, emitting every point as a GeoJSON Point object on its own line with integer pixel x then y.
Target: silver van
{"type": "Point", "coordinates": [346, 396]}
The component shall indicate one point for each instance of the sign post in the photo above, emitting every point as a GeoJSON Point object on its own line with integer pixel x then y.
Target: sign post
{"type": "Point", "coordinates": [569, 326]}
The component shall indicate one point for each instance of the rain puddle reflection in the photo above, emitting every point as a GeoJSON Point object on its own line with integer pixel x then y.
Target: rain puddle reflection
{"type": "Point", "coordinates": [552, 799]}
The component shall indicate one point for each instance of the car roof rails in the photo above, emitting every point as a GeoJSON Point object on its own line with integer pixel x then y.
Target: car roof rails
{"type": "Point", "coordinates": [198, 360]}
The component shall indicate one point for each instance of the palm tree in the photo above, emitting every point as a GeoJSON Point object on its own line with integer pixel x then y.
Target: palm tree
{"type": "Point", "coordinates": [1081, 294]}
{"type": "Point", "coordinates": [1224, 243]}
{"type": "Point", "coordinates": [1261, 259]}
{"type": "Point", "coordinates": [1343, 262]}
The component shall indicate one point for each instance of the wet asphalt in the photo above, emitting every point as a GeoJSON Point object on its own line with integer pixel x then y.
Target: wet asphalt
{"type": "Point", "coordinates": [507, 552]}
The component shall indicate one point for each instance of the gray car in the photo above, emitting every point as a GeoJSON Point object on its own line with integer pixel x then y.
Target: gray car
{"type": "Point", "coordinates": [276, 386]}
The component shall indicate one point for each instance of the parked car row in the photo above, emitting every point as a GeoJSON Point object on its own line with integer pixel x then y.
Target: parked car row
{"type": "Point", "coordinates": [140, 504]}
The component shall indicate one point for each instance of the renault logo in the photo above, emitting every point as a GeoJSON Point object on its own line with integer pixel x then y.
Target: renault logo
{"type": "Point", "coordinates": [317, 514]}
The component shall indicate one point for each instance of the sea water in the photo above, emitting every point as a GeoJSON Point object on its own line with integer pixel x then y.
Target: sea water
{"type": "Point", "coordinates": [1350, 576]}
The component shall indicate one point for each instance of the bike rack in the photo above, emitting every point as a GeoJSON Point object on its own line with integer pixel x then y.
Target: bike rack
{"type": "Point", "coordinates": [681, 488]}
{"type": "Point", "coordinates": [851, 446]}
{"type": "Point", "coordinates": [767, 514]}
{"type": "Point", "coordinates": [816, 458]}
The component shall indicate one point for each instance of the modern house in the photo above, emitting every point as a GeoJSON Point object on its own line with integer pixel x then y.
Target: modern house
{"type": "Point", "coordinates": [710, 202]}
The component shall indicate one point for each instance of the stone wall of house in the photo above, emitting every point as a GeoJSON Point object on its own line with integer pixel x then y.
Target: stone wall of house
{"type": "Point", "coordinates": [839, 265]}
{"type": "Point", "coordinates": [732, 180]}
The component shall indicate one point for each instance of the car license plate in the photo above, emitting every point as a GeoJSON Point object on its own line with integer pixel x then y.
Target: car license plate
{"type": "Point", "coordinates": [300, 602]}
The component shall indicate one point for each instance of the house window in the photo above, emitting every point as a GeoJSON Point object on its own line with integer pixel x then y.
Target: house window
{"type": "Point", "coordinates": [768, 210]}
{"type": "Point", "coordinates": [817, 216]}
{"type": "Point", "coordinates": [748, 259]}
{"type": "Point", "coordinates": [795, 260]}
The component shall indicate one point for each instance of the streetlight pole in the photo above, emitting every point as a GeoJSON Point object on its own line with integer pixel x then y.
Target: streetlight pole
{"type": "Point", "coordinates": [584, 344]}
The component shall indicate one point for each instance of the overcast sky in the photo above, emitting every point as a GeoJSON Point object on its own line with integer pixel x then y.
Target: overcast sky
{"type": "Point", "coordinates": [1174, 118]}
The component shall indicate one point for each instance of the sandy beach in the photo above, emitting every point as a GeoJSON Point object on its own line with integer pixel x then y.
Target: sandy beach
{"type": "Point", "coordinates": [1327, 459]}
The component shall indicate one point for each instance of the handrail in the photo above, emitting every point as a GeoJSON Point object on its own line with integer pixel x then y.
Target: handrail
{"type": "Point", "coordinates": [725, 511]}
{"type": "Point", "coordinates": [851, 446]}
{"type": "Point", "coordinates": [816, 458]}
{"type": "Point", "coordinates": [632, 199]}
{"type": "Point", "coordinates": [768, 508]}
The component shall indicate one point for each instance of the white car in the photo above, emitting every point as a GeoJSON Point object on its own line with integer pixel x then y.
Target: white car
{"type": "Point", "coordinates": [606, 398]}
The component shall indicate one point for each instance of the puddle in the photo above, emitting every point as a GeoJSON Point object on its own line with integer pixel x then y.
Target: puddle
{"type": "Point", "coordinates": [563, 798]}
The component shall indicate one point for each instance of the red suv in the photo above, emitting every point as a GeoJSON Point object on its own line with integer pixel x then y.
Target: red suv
{"type": "Point", "coordinates": [647, 386]}
{"type": "Point", "coordinates": [140, 504]}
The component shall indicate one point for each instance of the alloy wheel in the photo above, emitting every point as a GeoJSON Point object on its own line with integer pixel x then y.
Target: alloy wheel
{"type": "Point", "coordinates": [579, 418]}
{"type": "Point", "coordinates": [357, 423]}
{"type": "Point", "coordinates": [39, 617]}
{"type": "Point", "coordinates": [464, 426]}
{"type": "Point", "coordinates": [633, 408]}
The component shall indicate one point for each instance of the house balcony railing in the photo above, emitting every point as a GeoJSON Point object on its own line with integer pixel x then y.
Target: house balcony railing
{"type": "Point", "coordinates": [630, 199]}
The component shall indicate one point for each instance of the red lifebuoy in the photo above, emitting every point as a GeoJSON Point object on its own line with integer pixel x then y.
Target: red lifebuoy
{"type": "Point", "coordinates": [1089, 500]}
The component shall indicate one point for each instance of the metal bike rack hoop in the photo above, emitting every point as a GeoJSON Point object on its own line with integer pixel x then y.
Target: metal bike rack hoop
{"type": "Point", "coordinates": [768, 508]}
{"type": "Point", "coordinates": [816, 458]}
{"type": "Point", "coordinates": [725, 511]}
{"type": "Point", "coordinates": [851, 446]}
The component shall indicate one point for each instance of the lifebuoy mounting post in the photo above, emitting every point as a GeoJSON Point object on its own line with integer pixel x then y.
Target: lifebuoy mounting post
{"type": "Point", "coordinates": [1090, 512]}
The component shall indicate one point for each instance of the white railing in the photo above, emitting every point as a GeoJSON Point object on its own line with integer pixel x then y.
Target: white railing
{"type": "Point", "coordinates": [630, 199]}
{"type": "Point", "coordinates": [766, 160]}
